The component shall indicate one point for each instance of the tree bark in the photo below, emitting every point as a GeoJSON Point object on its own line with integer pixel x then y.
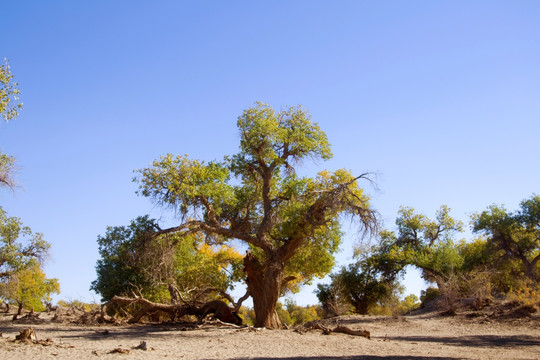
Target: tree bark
{"type": "Point", "coordinates": [530, 268]}
{"type": "Point", "coordinates": [264, 284]}
{"type": "Point", "coordinates": [20, 309]}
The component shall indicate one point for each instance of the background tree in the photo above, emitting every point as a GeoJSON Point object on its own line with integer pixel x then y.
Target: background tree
{"type": "Point", "coordinates": [119, 270]}
{"type": "Point", "coordinates": [516, 235]}
{"type": "Point", "coordinates": [29, 289]}
{"type": "Point", "coordinates": [9, 93]}
{"type": "Point", "coordinates": [7, 167]}
{"type": "Point", "coordinates": [362, 285]}
{"type": "Point", "coordinates": [9, 109]}
{"type": "Point", "coordinates": [290, 223]}
{"type": "Point", "coordinates": [427, 244]}
{"type": "Point", "coordinates": [370, 282]}
{"type": "Point", "coordinates": [134, 261]}
{"type": "Point", "coordinates": [331, 300]}
{"type": "Point", "coordinates": [20, 248]}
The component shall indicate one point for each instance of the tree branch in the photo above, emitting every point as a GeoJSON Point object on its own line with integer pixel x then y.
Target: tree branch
{"type": "Point", "coordinates": [194, 226]}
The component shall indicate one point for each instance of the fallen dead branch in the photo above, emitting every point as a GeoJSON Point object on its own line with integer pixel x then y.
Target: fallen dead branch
{"type": "Point", "coordinates": [28, 336]}
{"type": "Point", "coordinates": [220, 310]}
{"type": "Point", "coordinates": [346, 330]}
{"type": "Point", "coordinates": [338, 329]}
{"type": "Point", "coordinates": [119, 351]}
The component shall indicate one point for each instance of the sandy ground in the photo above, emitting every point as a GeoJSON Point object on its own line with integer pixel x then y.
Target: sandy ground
{"type": "Point", "coordinates": [425, 336]}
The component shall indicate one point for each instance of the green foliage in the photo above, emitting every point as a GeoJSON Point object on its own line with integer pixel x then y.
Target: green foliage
{"type": "Point", "coordinates": [515, 234]}
{"type": "Point", "coordinates": [284, 315]}
{"type": "Point", "coordinates": [9, 93]}
{"type": "Point", "coordinates": [205, 267]}
{"type": "Point", "coordinates": [119, 270]}
{"type": "Point", "coordinates": [9, 109]}
{"type": "Point", "coordinates": [20, 248]}
{"type": "Point", "coordinates": [247, 315]}
{"type": "Point", "coordinates": [331, 300]}
{"type": "Point", "coordinates": [424, 243]}
{"type": "Point", "coordinates": [429, 294]}
{"type": "Point", "coordinates": [132, 259]}
{"type": "Point", "coordinates": [527, 294]}
{"type": "Point", "coordinates": [301, 314]}
{"type": "Point", "coordinates": [29, 288]}
{"type": "Point", "coordinates": [292, 314]}
{"type": "Point", "coordinates": [364, 285]}
{"type": "Point", "coordinates": [265, 132]}
{"type": "Point", "coordinates": [408, 304]}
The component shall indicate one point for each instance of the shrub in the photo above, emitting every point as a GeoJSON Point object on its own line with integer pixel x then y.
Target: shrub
{"type": "Point", "coordinates": [528, 295]}
{"type": "Point", "coordinates": [429, 294]}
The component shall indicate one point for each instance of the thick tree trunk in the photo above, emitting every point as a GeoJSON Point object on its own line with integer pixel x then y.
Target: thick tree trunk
{"type": "Point", "coordinates": [264, 285]}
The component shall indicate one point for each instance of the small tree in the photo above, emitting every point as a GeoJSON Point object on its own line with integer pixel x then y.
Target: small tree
{"type": "Point", "coordinates": [290, 223]}
{"type": "Point", "coordinates": [362, 285]}
{"type": "Point", "coordinates": [331, 300]}
{"type": "Point", "coordinates": [20, 248]}
{"type": "Point", "coordinates": [29, 289]}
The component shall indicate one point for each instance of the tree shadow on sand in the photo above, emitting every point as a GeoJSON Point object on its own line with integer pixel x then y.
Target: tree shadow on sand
{"type": "Point", "coordinates": [476, 340]}
{"type": "Point", "coordinates": [356, 357]}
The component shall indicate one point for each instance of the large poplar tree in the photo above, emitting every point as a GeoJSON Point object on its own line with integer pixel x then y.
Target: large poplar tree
{"type": "Point", "coordinates": [290, 223]}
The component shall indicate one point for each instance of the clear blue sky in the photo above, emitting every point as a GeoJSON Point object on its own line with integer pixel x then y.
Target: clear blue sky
{"type": "Point", "coordinates": [441, 98]}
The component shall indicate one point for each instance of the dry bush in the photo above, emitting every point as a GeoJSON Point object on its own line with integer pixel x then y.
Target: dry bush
{"type": "Point", "coordinates": [527, 295]}
{"type": "Point", "coordinates": [478, 286]}
{"type": "Point", "coordinates": [450, 292]}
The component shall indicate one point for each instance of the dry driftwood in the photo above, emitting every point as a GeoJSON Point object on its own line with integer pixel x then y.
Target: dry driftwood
{"type": "Point", "coordinates": [338, 329]}
{"type": "Point", "coordinates": [346, 330]}
{"type": "Point", "coordinates": [26, 335]}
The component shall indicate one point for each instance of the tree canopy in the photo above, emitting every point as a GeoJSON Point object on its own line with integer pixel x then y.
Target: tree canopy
{"type": "Point", "coordinates": [516, 234]}
{"type": "Point", "coordinates": [28, 288]}
{"type": "Point", "coordinates": [19, 246]}
{"type": "Point", "coordinates": [9, 93]}
{"type": "Point", "coordinates": [9, 109]}
{"type": "Point", "coordinates": [290, 223]}
{"type": "Point", "coordinates": [132, 261]}
{"type": "Point", "coordinates": [428, 244]}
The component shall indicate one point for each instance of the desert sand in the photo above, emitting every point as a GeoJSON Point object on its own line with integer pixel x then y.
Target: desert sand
{"type": "Point", "coordinates": [420, 336]}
